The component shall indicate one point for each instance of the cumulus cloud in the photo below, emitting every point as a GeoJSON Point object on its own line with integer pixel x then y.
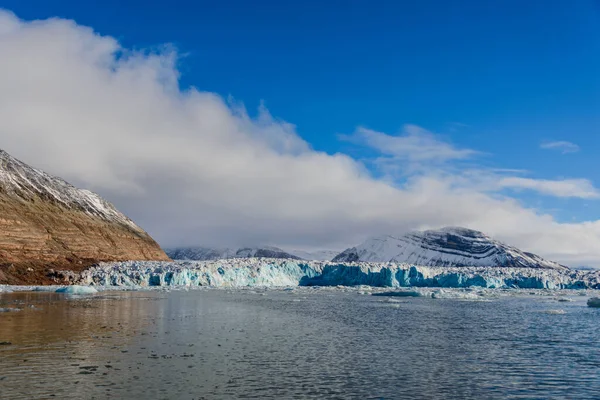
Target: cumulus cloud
{"type": "Point", "coordinates": [195, 169]}
{"type": "Point", "coordinates": [563, 146]}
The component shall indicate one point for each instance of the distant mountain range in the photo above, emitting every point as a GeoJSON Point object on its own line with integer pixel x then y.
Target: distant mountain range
{"type": "Point", "coordinates": [215, 253]}
{"type": "Point", "coordinates": [447, 247]}
{"type": "Point", "coordinates": [211, 253]}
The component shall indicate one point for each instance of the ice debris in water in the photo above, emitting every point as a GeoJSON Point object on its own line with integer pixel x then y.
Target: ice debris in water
{"type": "Point", "coordinates": [4, 310]}
{"type": "Point", "coordinates": [555, 312]}
{"type": "Point", "coordinates": [594, 302]}
{"type": "Point", "coordinates": [44, 289]}
{"type": "Point", "coordinates": [402, 293]}
{"type": "Point", "coordinates": [446, 294]}
{"type": "Point", "coordinates": [565, 299]}
{"type": "Point", "coordinates": [75, 289]}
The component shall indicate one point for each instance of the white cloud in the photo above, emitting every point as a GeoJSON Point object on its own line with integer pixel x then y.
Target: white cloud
{"type": "Point", "coordinates": [414, 144]}
{"type": "Point", "coordinates": [580, 188]}
{"type": "Point", "coordinates": [192, 168]}
{"type": "Point", "coordinates": [563, 146]}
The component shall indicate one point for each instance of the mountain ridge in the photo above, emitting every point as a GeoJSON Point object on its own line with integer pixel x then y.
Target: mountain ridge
{"type": "Point", "coordinates": [47, 223]}
{"type": "Point", "coordinates": [200, 253]}
{"type": "Point", "coordinates": [449, 247]}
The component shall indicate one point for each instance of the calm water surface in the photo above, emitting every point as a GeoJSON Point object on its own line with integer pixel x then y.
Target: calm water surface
{"type": "Point", "coordinates": [308, 343]}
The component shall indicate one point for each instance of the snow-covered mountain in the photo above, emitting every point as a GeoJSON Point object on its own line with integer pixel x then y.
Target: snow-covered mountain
{"type": "Point", "coordinates": [210, 253]}
{"type": "Point", "coordinates": [447, 247]}
{"type": "Point", "coordinates": [214, 253]}
{"type": "Point", "coordinates": [319, 255]}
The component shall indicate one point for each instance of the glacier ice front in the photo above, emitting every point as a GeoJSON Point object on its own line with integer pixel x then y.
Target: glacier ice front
{"type": "Point", "coordinates": [280, 273]}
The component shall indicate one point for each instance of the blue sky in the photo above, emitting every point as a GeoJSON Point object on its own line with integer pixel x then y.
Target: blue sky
{"type": "Point", "coordinates": [500, 80]}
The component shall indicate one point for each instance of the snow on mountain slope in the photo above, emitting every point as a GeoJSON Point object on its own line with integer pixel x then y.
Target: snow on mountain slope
{"type": "Point", "coordinates": [447, 247]}
{"type": "Point", "coordinates": [213, 253]}
{"type": "Point", "coordinates": [20, 180]}
{"type": "Point", "coordinates": [208, 253]}
{"type": "Point", "coordinates": [319, 255]}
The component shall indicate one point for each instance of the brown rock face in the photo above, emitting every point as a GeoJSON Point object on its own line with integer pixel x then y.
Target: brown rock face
{"type": "Point", "coordinates": [45, 223]}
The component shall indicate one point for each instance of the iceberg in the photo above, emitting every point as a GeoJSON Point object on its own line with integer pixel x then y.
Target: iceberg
{"type": "Point", "coordinates": [77, 290]}
{"type": "Point", "coordinates": [264, 272]}
{"type": "Point", "coordinates": [594, 302]}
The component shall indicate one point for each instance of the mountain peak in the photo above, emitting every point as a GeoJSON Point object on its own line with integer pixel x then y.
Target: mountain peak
{"type": "Point", "coordinates": [447, 247]}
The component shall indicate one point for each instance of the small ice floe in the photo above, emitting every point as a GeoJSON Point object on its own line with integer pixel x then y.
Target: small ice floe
{"type": "Point", "coordinates": [555, 312]}
{"type": "Point", "coordinates": [451, 294]}
{"type": "Point", "coordinates": [43, 289]}
{"type": "Point", "coordinates": [392, 300]}
{"type": "Point", "coordinates": [400, 293]}
{"type": "Point", "coordinates": [564, 299]}
{"type": "Point", "coordinates": [78, 290]}
{"type": "Point", "coordinates": [5, 289]}
{"type": "Point", "coordinates": [3, 310]}
{"type": "Point", "coordinates": [396, 305]}
{"type": "Point", "coordinates": [594, 302]}
{"type": "Point", "coordinates": [366, 290]}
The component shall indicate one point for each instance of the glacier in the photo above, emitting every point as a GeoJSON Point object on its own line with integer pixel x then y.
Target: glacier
{"type": "Point", "coordinates": [286, 273]}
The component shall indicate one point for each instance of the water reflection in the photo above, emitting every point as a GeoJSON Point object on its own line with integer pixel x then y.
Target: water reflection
{"type": "Point", "coordinates": [309, 343]}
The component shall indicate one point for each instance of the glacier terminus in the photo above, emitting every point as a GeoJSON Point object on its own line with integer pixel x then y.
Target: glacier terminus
{"type": "Point", "coordinates": [291, 272]}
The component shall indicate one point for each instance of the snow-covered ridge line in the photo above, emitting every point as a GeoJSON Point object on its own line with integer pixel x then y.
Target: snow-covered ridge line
{"type": "Point", "coordinates": [20, 180]}
{"type": "Point", "coordinates": [278, 272]}
{"type": "Point", "coordinates": [447, 247]}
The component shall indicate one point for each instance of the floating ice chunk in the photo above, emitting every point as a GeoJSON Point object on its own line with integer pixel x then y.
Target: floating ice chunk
{"type": "Point", "coordinates": [446, 294]}
{"type": "Point", "coordinates": [401, 293]}
{"type": "Point", "coordinates": [392, 300]}
{"type": "Point", "coordinates": [555, 312]}
{"type": "Point", "coordinates": [564, 299]}
{"type": "Point", "coordinates": [43, 289]}
{"type": "Point", "coordinates": [3, 310]}
{"type": "Point", "coordinates": [594, 302]}
{"type": "Point", "coordinates": [75, 289]}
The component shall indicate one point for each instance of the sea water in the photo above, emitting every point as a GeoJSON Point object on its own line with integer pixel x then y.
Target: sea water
{"type": "Point", "coordinates": [298, 343]}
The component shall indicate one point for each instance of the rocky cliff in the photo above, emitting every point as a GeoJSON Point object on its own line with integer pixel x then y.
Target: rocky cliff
{"type": "Point", "coordinates": [47, 224]}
